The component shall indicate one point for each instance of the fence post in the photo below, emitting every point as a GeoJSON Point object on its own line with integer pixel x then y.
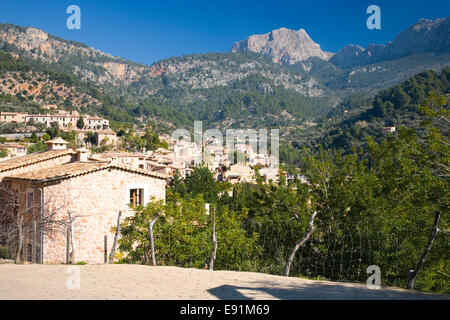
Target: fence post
{"type": "Point", "coordinates": [67, 246]}
{"type": "Point", "coordinates": [34, 258]}
{"type": "Point", "coordinates": [116, 235]}
{"type": "Point", "coordinates": [24, 247]}
{"type": "Point", "coordinates": [214, 241]}
{"type": "Point", "coordinates": [106, 250]}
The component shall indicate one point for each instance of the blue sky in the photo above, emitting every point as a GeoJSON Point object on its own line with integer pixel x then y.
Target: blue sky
{"type": "Point", "coordinates": [147, 31]}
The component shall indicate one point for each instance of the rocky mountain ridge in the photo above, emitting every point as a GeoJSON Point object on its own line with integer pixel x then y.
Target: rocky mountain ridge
{"type": "Point", "coordinates": [424, 36]}
{"type": "Point", "coordinates": [289, 79]}
{"type": "Point", "coordinates": [282, 45]}
{"type": "Point", "coordinates": [89, 63]}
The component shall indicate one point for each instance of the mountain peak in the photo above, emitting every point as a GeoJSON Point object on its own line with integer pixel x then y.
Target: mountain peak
{"type": "Point", "coordinates": [282, 45]}
{"type": "Point", "coordinates": [425, 35]}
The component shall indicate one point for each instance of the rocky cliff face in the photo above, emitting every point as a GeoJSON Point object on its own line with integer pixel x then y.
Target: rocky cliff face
{"type": "Point", "coordinates": [423, 36]}
{"type": "Point", "coordinates": [283, 45]}
{"type": "Point", "coordinates": [221, 70]}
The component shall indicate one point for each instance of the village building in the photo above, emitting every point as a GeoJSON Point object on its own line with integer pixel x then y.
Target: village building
{"type": "Point", "coordinates": [64, 119]}
{"type": "Point", "coordinates": [239, 173]}
{"type": "Point", "coordinates": [302, 178]}
{"type": "Point", "coordinates": [13, 150]}
{"type": "Point", "coordinates": [12, 117]}
{"type": "Point", "coordinates": [106, 138]}
{"type": "Point", "coordinates": [387, 130]}
{"type": "Point", "coordinates": [137, 160]}
{"type": "Point", "coordinates": [62, 182]}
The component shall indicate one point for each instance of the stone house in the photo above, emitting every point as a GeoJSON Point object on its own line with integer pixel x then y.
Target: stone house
{"type": "Point", "coordinates": [134, 159]}
{"type": "Point", "coordinates": [12, 117]}
{"type": "Point", "coordinates": [106, 137]}
{"type": "Point", "coordinates": [14, 150]}
{"type": "Point", "coordinates": [239, 173]}
{"type": "Point", "coordinates": [58, 182]}
{"type": "Point", "coordinates": [69, 120]}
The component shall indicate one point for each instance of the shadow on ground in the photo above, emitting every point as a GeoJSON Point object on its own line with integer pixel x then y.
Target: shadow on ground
{"type": "Point", "coordinates": [319, 291]}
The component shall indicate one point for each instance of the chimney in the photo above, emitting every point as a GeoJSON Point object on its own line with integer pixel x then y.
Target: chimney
{"type": "Point", "coordinates": [57, 144]}
{"type": "Point", "coordinates": [83, 154]}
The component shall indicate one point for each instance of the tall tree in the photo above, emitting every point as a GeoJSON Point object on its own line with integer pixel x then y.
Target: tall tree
{"type": "Point", "coordinates": [80, 123]}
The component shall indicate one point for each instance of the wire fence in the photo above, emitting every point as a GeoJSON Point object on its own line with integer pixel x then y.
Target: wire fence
{"type": "Point", "coordinates": [342, 251]}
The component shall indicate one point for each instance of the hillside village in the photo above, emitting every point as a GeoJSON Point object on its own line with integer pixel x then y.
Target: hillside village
{"type": "Point", "coordinates": [181, 156]}
{"type": "Point", "coordinates": [46, 183]}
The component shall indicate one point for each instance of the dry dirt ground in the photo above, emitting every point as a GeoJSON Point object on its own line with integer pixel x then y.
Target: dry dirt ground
{"type": "Point", "coordinates": [146, 282]}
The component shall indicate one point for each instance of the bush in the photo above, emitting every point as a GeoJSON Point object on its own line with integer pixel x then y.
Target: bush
{"type": "Point", "coordinates": [4, 253]}
{"type": "Point", "coordinates": [3, 153]}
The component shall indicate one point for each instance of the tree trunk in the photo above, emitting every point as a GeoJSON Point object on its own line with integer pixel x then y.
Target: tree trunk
{"type": "Point", "coordinates": [17, 258]}
{"type": "Point", "coordinates": [116, 236]}
{"type": "Point", "coordinates": [214, 240]}
{"type": "Point", "coordinates": [150, 232]}
{"type": "Point", "coordinates": [300, 243]}
{"type": "Point", "coordinates": [412, 274]}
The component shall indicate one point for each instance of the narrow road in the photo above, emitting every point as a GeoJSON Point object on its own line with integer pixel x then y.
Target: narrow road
{"type": "Point", "coordinates": [146, 282]}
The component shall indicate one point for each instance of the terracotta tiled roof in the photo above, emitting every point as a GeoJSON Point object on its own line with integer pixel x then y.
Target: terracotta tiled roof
{"type": "Point", "coordinates": [121, 155]}
{"type": "Point", "coordinates": [73, 169]}
{"type": "Point", "coordinates": [30, 159]}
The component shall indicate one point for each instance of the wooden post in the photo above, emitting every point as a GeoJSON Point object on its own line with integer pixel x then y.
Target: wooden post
{"type": "Point", "coordinates": [106, 249]}
{"type": "Point", "coordinates": [299, 244]}
{"type": "Point", "coordinates": [68, 246]}
{"type": "Point", "coordinates": [150, 231]}
{"type": "Point", "coordinates": [17, 256]}
{"type": "Point", "coordinates": [214, 240]}
{"type": "Point", "coordinates": [72, 238]}
{"type": "Point", "coordinates": [34, 257]}
{"type": "Point", "coordinates": [116, 236]}
{"type": "Point", "coordinates": [412, 274]}
{"type": "Point", "coordinates": [25, 247]}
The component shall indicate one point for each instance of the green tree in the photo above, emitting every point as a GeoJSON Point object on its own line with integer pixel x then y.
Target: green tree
{"type": "Point", "coordinates": [183, 236]}
{"type": "Point", "coordinates": [80, 123]}
{"type": "Point", "coordinates": [37, 147]}
{"type": "Point", "coordinates": [202, 182]}
{"type": "Point", "coordinates": [34, 137]}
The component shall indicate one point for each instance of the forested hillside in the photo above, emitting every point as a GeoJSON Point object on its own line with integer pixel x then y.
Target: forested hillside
{"type": "Point", "coordinates": [360, 116]}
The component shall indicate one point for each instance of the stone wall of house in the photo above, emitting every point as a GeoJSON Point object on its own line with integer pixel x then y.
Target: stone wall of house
{"type": "Point", "coordinates": [95, 200]}
{"type": "Point", "coordinates": [29, 216]}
